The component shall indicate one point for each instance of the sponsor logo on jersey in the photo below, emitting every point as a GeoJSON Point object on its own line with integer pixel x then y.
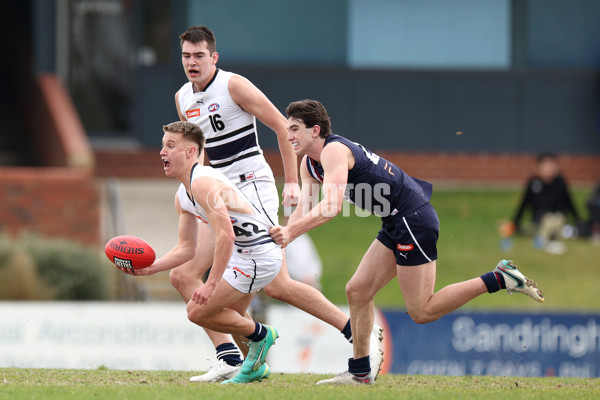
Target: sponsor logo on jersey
{"type": "Point", "coordinates": [202, 219]}
{"type": "Point", "coordinates": [247, 176]}
{"type": "Point", "coordinates": [192, 113]}
{"type": "Point", "coordinates": [213, 107]}
{"type": "Point", "coordinates": [405, 247]}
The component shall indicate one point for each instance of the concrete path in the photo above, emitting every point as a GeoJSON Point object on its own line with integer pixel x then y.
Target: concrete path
{"type": "Point", "coordinates": [143, 208]}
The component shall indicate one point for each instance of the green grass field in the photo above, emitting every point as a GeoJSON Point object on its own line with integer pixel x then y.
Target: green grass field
{"type": "Point", "coordinates": [19, 384]}
{"type": "Point", "coordinates": [469, 245]}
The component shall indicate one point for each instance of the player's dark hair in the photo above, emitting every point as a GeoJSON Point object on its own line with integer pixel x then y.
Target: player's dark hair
{"type": "Point", "coordinates": [312, 113]}
{"type": "Point", "coordinates": [197, 34]}
{"type": "Point", "coordinates": [546, 156]}
{"type": "Point", "coordinates": [188, 130]}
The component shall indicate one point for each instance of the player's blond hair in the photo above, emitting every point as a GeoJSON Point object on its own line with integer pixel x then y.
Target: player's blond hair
{"type": "Point", "coordinates": [188, 130]}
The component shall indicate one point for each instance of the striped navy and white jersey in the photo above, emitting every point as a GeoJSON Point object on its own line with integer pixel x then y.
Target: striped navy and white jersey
{"type": "Point", "coordinates": [375, 184]}
{"type": "Point", "coordinates": [251, 230]}
{"type": "Point", "coordinates": [231, 136]}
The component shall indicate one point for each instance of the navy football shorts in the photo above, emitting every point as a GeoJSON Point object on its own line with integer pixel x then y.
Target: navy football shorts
{"type": "Point", "coordinates": [412, 237]}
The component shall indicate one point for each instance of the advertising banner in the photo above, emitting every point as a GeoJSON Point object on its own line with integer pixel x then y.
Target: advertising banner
{"type": "Point", "coordinates": [158, 336]}
{"type": "Point", "coordinates": [499, 344]}
{"type": "Point", "coordinates": [146, 336]}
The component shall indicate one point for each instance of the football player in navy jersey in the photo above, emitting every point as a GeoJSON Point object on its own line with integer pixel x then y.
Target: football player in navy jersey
{"type": "Point", "coordinates": [405, 247]}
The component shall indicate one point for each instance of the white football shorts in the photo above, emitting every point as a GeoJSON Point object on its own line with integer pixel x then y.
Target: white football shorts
{"type": "Point", "coordinates": [250, 274]}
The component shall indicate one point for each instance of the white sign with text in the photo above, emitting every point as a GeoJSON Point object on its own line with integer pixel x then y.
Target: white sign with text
{"type": "Point", "coordinates": [144, 336]}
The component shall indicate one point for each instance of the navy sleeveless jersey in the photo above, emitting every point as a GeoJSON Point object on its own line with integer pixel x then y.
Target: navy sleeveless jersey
{"type": "Point", "coordinates": [375, 184]}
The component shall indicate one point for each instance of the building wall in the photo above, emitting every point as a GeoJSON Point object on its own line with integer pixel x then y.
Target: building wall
{"type": "Point", "coordinates": [487, 169]}
{"type": "Point", "coordinates": [429, 34]}
{"type": "Point", "coordinates": [517, 76]}
{"type": "Point", "coordinates": [496, 112]}
{"type": "Point", "coordinates": [51, 202]}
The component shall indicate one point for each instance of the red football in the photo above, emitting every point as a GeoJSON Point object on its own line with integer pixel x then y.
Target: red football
{"type": "Point", "coordinates": [128, 251]}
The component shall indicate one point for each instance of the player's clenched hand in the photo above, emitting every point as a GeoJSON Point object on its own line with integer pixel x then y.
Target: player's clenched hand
{"type": "Point", "coordinates": [290, 194]}
{"type": "Point", "coordinates": [203, 294]}
{"type": "Point", "coordinates": [280, 235]}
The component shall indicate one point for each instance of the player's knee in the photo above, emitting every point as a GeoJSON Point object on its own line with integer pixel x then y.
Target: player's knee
{"type": "Point", "coordinates": [181, 277]}
{"type": "Point", "coordinates": [176, 277]}
{"type": "Point", "coordinates": [420, 319]}
{"type": "Point", "coordinates": [355, 292]}
{"type": "Point", "coordinates": [421, 316]}
{"type": "Point", "coordinates": [195, 314]}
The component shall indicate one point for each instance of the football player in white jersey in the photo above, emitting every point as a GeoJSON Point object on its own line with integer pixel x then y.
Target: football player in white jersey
{"type": "Point", "coordinates": [225, 106]}
{"type": "Point", "coordinates": [245, 257]}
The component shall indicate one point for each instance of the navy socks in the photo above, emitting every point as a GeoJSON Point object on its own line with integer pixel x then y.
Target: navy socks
{"type": "Point", "coordinates": [360, 366]}
{"type": "Point", "coordinates": [229, 353]}
{"type": "Point", "coordinates": [347, 331]}
{"type": "Point", "coordinates": [494, 281]}
{"type": "Point", "coordinates": [259, 333]}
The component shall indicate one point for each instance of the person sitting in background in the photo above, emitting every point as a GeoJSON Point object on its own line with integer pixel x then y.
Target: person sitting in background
{"type": "Point", "coordinates": [547, 195]}
{"type": "Point", "coordinates": [593, 224]}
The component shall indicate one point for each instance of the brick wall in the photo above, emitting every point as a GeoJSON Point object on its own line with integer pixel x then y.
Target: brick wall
{"type": "Point", "coordinates": [52, 202]}
{"type": "Point", "coordinates": [491, 169]}
{"type": "Point", "coordinates": [440, 168]}
{"type": "Point", "coordinates": [144, 163]}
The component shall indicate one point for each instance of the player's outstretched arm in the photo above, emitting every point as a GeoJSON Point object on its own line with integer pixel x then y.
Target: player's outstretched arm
{"type": "Point", "coordinates": [309, 197]}
{"type": "Point", "coordinates": [182, 252]}
{"type": "Point", "coordinates": [335, 159]}
{"type": "Point", "coordinates": [309, 194]}
{"type": "Point", "coordinates": [251, 99]}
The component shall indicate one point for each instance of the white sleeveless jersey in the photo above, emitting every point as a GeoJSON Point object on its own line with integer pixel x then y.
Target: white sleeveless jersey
{"type": "Point", "coordinates": [251, 230]}
{"type": "Point", "coordinates": [231, 136]}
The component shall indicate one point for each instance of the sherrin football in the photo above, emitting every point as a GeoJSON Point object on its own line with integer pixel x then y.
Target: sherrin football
{"type": "Point", "coordinates": [128, 251]}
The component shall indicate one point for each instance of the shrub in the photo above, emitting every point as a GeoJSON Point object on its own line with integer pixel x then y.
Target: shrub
{"type": "Point", "coordinates": [33, 268]}
{"type": "Point", "coordinates": [19, 279]}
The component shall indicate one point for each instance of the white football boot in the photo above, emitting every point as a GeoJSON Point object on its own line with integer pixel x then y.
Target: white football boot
{"type": "Point", "coordinates": [376, 350]}
{"type": "Point", "coordinates": [218, 372]}
{"type": "Point", "coordinates": [346, 378]}
{"type": "Point", "coordinates": [517, 282]}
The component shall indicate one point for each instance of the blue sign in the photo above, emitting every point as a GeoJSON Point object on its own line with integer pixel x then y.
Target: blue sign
{"type": "Point", "coordinates": [498, 344]}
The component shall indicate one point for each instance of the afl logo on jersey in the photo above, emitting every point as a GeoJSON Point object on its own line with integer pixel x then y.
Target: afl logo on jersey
{"type": "Point", "coordinates": [233, 220]}
{"type": "Point", "coordinates": [192, 113]}
{"type": "Point", "coordinates": [213, 107]}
